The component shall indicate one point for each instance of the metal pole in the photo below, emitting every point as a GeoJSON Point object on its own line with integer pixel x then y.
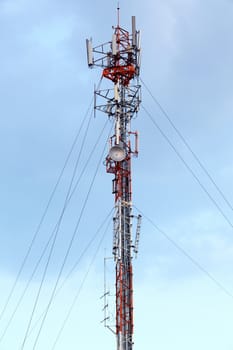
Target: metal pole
{"type": "Point", "coordinates": [120, 60]}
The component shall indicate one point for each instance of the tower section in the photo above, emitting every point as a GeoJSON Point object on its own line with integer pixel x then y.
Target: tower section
{"type": "Point", "coordinates": [120, 63]}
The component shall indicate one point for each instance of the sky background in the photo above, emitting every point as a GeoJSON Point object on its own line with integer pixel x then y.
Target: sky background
{"type": "Point", "coordinates": [46, 89]}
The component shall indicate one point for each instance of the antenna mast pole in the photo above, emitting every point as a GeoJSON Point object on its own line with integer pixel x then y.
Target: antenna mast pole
{"type": "Point", "coordinates": [120, 61]}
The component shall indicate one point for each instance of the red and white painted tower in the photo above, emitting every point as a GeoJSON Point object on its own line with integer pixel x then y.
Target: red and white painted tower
{"type": "Point", "coordinates": [120, 61]}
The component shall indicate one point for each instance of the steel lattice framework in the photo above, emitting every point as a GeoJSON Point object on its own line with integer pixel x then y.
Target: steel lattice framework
{"type": "Point", "coordinates": [120, 61]}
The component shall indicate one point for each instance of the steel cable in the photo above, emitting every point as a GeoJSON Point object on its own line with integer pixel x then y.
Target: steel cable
{"type": "Point", "coordinates": [56, 232]}
{"type": "Point", "coordinates": [80, 289]}
{"type": "Point", "coordinates": [187, 255]}
{"type": "Point", "coordinates": [74, 267]}
{"type": "Point", "coordinates": [41, 220]}
{"type": "Point", "coordinates": [220, 210]}
{"type": "Point", "coordinates": [45, 212]}
{"type": "Point", "coordinates": [55, 235]}
{"type": "Point", "coordinates": [51, 236]}
{"type": "Point", "coordinates": [178, 132]}
{"type": "Point", "coordinates": [69, 247]}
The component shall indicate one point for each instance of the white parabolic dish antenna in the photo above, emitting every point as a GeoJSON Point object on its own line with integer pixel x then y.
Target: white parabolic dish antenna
{"type": "Point", "coordinates": [117, 153]}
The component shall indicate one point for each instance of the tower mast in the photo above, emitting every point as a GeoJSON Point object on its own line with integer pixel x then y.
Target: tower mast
{"type": "Point", "coordinates": [120, 61]}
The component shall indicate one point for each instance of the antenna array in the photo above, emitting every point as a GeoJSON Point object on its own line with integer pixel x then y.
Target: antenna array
{"type": "Point", "coordinates": [120, 63]}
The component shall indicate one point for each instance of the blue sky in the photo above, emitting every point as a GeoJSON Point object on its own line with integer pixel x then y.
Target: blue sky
{"type": "Point", "coordinates": [46, 89]}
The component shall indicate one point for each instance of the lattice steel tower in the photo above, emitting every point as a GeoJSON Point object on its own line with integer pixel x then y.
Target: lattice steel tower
{"type": "Point", "coordinates": [120, 61]}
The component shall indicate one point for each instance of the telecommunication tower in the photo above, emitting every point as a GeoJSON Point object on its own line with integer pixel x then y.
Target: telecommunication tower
{"type": "Point", "coordinates": [120, 61]}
